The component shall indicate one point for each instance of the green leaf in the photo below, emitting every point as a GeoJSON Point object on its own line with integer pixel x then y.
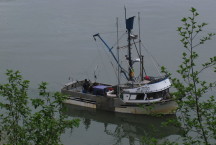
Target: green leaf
{"type": "Point", "coordinates": [179, 29]}
{"type": "Point", "coordinates": [184, 19]}
{"type": "Point", "coordinates": [193, 10]}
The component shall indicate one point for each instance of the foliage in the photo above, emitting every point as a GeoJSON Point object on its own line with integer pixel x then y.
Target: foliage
{"type": "Point", "coordinates": [42, 123]}
{"type": "Point", "coordinates": [197, 110]}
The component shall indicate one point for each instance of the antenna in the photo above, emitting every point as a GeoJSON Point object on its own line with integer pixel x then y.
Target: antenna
{"type": "Point", "coordinates": [125, 14]}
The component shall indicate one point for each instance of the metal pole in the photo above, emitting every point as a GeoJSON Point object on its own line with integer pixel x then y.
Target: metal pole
{"type": "Point", "coordinates": [129, 57]}
{"type": "Point", "coordinates": [140, 51]}
{"type": "Point", "coordinates": [118, 89]}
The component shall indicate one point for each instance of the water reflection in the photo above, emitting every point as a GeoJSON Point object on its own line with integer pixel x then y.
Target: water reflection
{"type": "Point", "coordinates": [121, 126]}
{"type": "Point", "coordinates": [87, 123]}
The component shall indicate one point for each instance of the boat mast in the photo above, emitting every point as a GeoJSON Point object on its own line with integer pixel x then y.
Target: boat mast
{"type": "Point", "coordinates": [140, 51]}
{"type": "Point", "coordinates": [118, 90]}
{"type": "Point", "coordinates": [129, 56]}
{"type": "Point", "coordinates": [142, 69]}
{"type": "Point", "coordinates": [129, 27]}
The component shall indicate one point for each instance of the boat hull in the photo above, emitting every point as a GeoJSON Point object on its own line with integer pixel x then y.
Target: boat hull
{"type": "Point", "coordinates": [115, 104]}
{"type": "Point", "coordinates": [168, 107]}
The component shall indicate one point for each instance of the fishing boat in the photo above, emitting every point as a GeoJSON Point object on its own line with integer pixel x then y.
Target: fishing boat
{"type": "Point", "coordinates": [138, 95]}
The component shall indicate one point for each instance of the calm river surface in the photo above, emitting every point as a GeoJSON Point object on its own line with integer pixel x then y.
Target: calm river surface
{"type": "Point", "coordinates": [51, 40]}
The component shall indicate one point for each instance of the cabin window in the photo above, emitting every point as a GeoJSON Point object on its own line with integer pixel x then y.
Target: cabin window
{"type": "Point", "coordinates": [140, 96]}
{"type": "Point", "coordinates": [156, 95]}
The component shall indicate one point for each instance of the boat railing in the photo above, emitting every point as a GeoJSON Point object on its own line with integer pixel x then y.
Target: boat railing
{"type": "Point", "coordinates": [157, 79]}
{"type": "Point", "coordinates": [72, 85]}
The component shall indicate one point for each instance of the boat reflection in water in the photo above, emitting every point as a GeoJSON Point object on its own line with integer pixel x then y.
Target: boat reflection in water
{"type": "Point", "coordinates": [121, 126]}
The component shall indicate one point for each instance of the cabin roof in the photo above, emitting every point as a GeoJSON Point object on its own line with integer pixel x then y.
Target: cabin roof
{"type": "Point", "coordinates": [100, 87]}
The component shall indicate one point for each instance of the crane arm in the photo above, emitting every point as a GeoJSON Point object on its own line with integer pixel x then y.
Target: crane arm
{"type": "Point", "coordinates": [110, 50]}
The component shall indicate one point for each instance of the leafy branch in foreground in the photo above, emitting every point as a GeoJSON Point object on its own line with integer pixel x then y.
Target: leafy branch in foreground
{"type": "Point", "coordinates": [197, 109]}
{"type": "Point", "coordinates": [19, 124]}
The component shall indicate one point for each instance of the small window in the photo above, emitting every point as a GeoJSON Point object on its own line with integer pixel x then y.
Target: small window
{"type": "Point", "coordinates": [140, 97]}
{"type": "Point", "coordinates": [154, 95]}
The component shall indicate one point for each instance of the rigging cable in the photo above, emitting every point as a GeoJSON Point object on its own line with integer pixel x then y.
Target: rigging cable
{"type": "Point", "coordinates": [154, 60]}
{"type": "Point", "coordinates": [111, 32]}
{"type": "Point", "coordinates": [109, 60]}
{"type": "Point", "coordinates": [124, 71]}
{"type": "Point", "coordinates": [101, 57]}
{"type": "Point", "coordinates": [136, 48]}
{"type": "Point", "coordinates": [139, 58]}
{"type": "Point", "coordinates": [119, 39]}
